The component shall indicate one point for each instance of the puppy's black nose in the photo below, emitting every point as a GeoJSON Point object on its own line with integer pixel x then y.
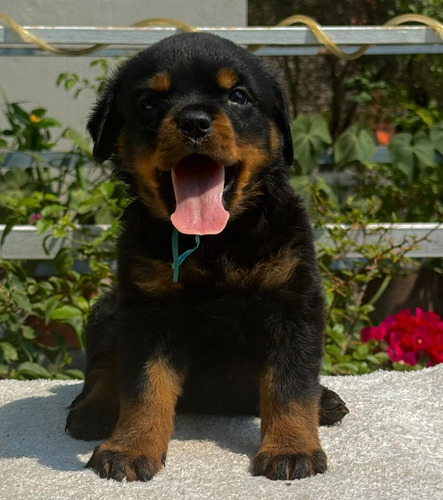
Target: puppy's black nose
{"type": "Point", "coordinates": [194, 123]}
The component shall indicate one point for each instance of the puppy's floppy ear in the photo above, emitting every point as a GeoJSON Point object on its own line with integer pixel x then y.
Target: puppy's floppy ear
{"type": "Point", "coordinates": [104, 123]}
{"type": "Point", "coordinates": [281, 118]}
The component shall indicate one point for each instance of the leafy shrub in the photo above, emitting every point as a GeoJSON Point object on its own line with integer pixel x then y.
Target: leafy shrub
{"type": "Point", "coordinates": [413, 173]}
{"type": "Point", "coordinates": [61, 203]}
{"type": "Point", "coordinates": [352, 253]}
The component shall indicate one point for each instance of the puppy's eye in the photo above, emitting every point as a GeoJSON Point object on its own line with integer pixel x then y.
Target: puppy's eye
{"type": "Point", "coordinates": [239, 96]}
{"type": "Point", "coordinates": [148, 102]}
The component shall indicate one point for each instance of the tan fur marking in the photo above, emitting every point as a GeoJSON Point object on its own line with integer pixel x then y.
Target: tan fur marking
{"type": "Point", "coordinates": [145, 425]}
{"type": "Point", "coordinates": [170, 146]}
{"type": "Point", "coordinates": [288, 429]}
{"type": "Point", "coordinates": [227, 78]}
{"type": "Point", "coordinates": [274, 272]}
{"type": "Point", "coordinates": [153, 276]}
{"type": "Point", "coordinates": [161, 82]}
{"type": "Point", "coordinates": [144, 166]}
{"type": "Point", "coordinates": [253, 157]}
{"type": "Point", "coordinates": [148, 184]}
{"type": "Point", "coordinates": [222, 146]}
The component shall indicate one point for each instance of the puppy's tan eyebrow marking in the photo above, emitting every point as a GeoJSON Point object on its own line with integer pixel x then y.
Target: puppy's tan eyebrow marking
{"type": "Point", "coordinates": [160, 82]}
{"type": "Point", "coordinates": [227, 78]}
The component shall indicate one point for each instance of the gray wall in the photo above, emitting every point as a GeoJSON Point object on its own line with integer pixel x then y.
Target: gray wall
{"type": "Point", "coordinates": [31, 80]}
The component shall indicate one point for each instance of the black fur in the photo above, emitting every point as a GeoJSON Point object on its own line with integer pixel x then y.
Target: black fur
{"type": "Point", "coordinates": [219, 332]}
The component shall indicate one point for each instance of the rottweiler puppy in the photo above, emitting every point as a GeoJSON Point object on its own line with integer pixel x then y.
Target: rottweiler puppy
{"type": "Point", "coordinates": [218, 306]}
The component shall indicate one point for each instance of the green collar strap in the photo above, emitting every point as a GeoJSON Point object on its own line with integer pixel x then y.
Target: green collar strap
{"type": "Point", "coordinates": [177, 260]}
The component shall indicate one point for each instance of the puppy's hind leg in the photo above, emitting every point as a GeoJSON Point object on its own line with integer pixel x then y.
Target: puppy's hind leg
{"type": "Point", "coordinates": [94, 412]}
{"type": "Point", "coordinates": [332, 408]}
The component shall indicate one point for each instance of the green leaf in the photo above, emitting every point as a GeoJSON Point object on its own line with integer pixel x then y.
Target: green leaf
{"type": "Point", "coordinates": [29, 333]}
{"type": "Point", "coordinates": [361, 352]}
{"type": "Point", "coordinates": [22, 301]}
{"type": "Point", "coordinates": [347, 368]}
{"type": "Point", "coordinates": [20, 114]}
{"type": "Point", "coordinates": [43, 225]}
{"type": "Point", "coordinates": [337, 334]}
{"type": "Point", "coordinates": [7, 230]}
{"type": "Point", "coordinates": [82, 201]}
{"type": "Point", "coordinates": [9, 352]}
{"type": "Point", "coordinates": [32, 370]}
{"type": "Point", "coordinates": [424, 150]}
{"type": "Point", "coordinates": [80, 141]}
{"type": "Point", "coordinates": [82, 303]}
{"type": "Point", "coordinates": [48, 123]}
{"type": "Point", "coordinates": [327, 363]}
{"type": "Point", "coordinates": [63, 261]}
{"type": "Point", "coordinates": [16, 178]}
{"type": "Point", "coordinates": [70, 79]}
{"type": "Point", "coordinates": [404, 367]}
{"type": "Point", "coordinates": [65, 313]}
{"type": "Point", "coordinates": [52, 210]}
{"type": "Point", "coordinates": [50, 306]}
{"type": "Point", "coordinates": [61, 77]}
{"type": "Point", "coordinates": [408, 152]}
{"type": "Point", "coordinates": [333, 350]}
{"type": "Point", "coordinates": [402, 156]}
{"type": "Point", "coordinates": [311, 139]}
{"type": "Point", "coordinates": [437, 137]}
{"type": "Point", "coordinates": [39, 112]}
{"type": "Point", "coordinates": [107, 189]}
{"type": "Point", "coordinates": [75, 374]}
{"type": "Point", "coordinates": [382, 357]}
{"type": "Point", "coordinates": [354, 144]}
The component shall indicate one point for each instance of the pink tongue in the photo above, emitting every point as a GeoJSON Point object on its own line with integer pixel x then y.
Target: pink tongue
{"type": "Point", "coordinates": [198, 185]}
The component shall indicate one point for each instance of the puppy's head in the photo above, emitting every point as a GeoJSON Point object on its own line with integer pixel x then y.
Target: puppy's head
{"type": "Point", "coordinates": [192, 121]}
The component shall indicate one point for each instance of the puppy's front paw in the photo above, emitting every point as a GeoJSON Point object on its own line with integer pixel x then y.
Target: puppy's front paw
{"type": "Point", "coordinates": [289, 465]}
{"type": "Point", "coordinates": [112, 463]}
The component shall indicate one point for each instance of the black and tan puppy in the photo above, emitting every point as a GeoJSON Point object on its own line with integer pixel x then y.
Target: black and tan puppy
{"type": "Point", "coordinates": [198, 129]}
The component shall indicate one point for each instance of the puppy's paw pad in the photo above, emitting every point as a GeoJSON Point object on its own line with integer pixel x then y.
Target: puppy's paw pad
{"type": "Point", "coordinates": [112, 464]}
{"type": "Point", "coordinates": [289, 466]}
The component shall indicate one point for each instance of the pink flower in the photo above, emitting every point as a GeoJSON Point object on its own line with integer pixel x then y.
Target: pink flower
{"type": "Point", "coordinates": [421, 339]}
{"type": "Point", "coordinates": [34, 218]}
{"type": "Point", "coordinates": [396, 354]}
{"type": "Point", "coordinates": [371, 332]}
{"type": "Point", "coordinates": [409, 338]}
{"type": "Point", "coordinates": [377, 332]}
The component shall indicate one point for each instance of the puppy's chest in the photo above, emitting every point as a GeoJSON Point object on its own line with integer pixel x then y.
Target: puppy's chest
{"type": "Point", "coordinates": [223, 271]}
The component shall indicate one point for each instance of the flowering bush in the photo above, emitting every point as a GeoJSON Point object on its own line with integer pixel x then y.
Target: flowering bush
{"type": "Point", "coordinates": [410, 339]}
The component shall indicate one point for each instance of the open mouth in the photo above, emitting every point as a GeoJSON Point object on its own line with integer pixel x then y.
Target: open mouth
{"type": "Point", "coordinates": [198, 183]}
